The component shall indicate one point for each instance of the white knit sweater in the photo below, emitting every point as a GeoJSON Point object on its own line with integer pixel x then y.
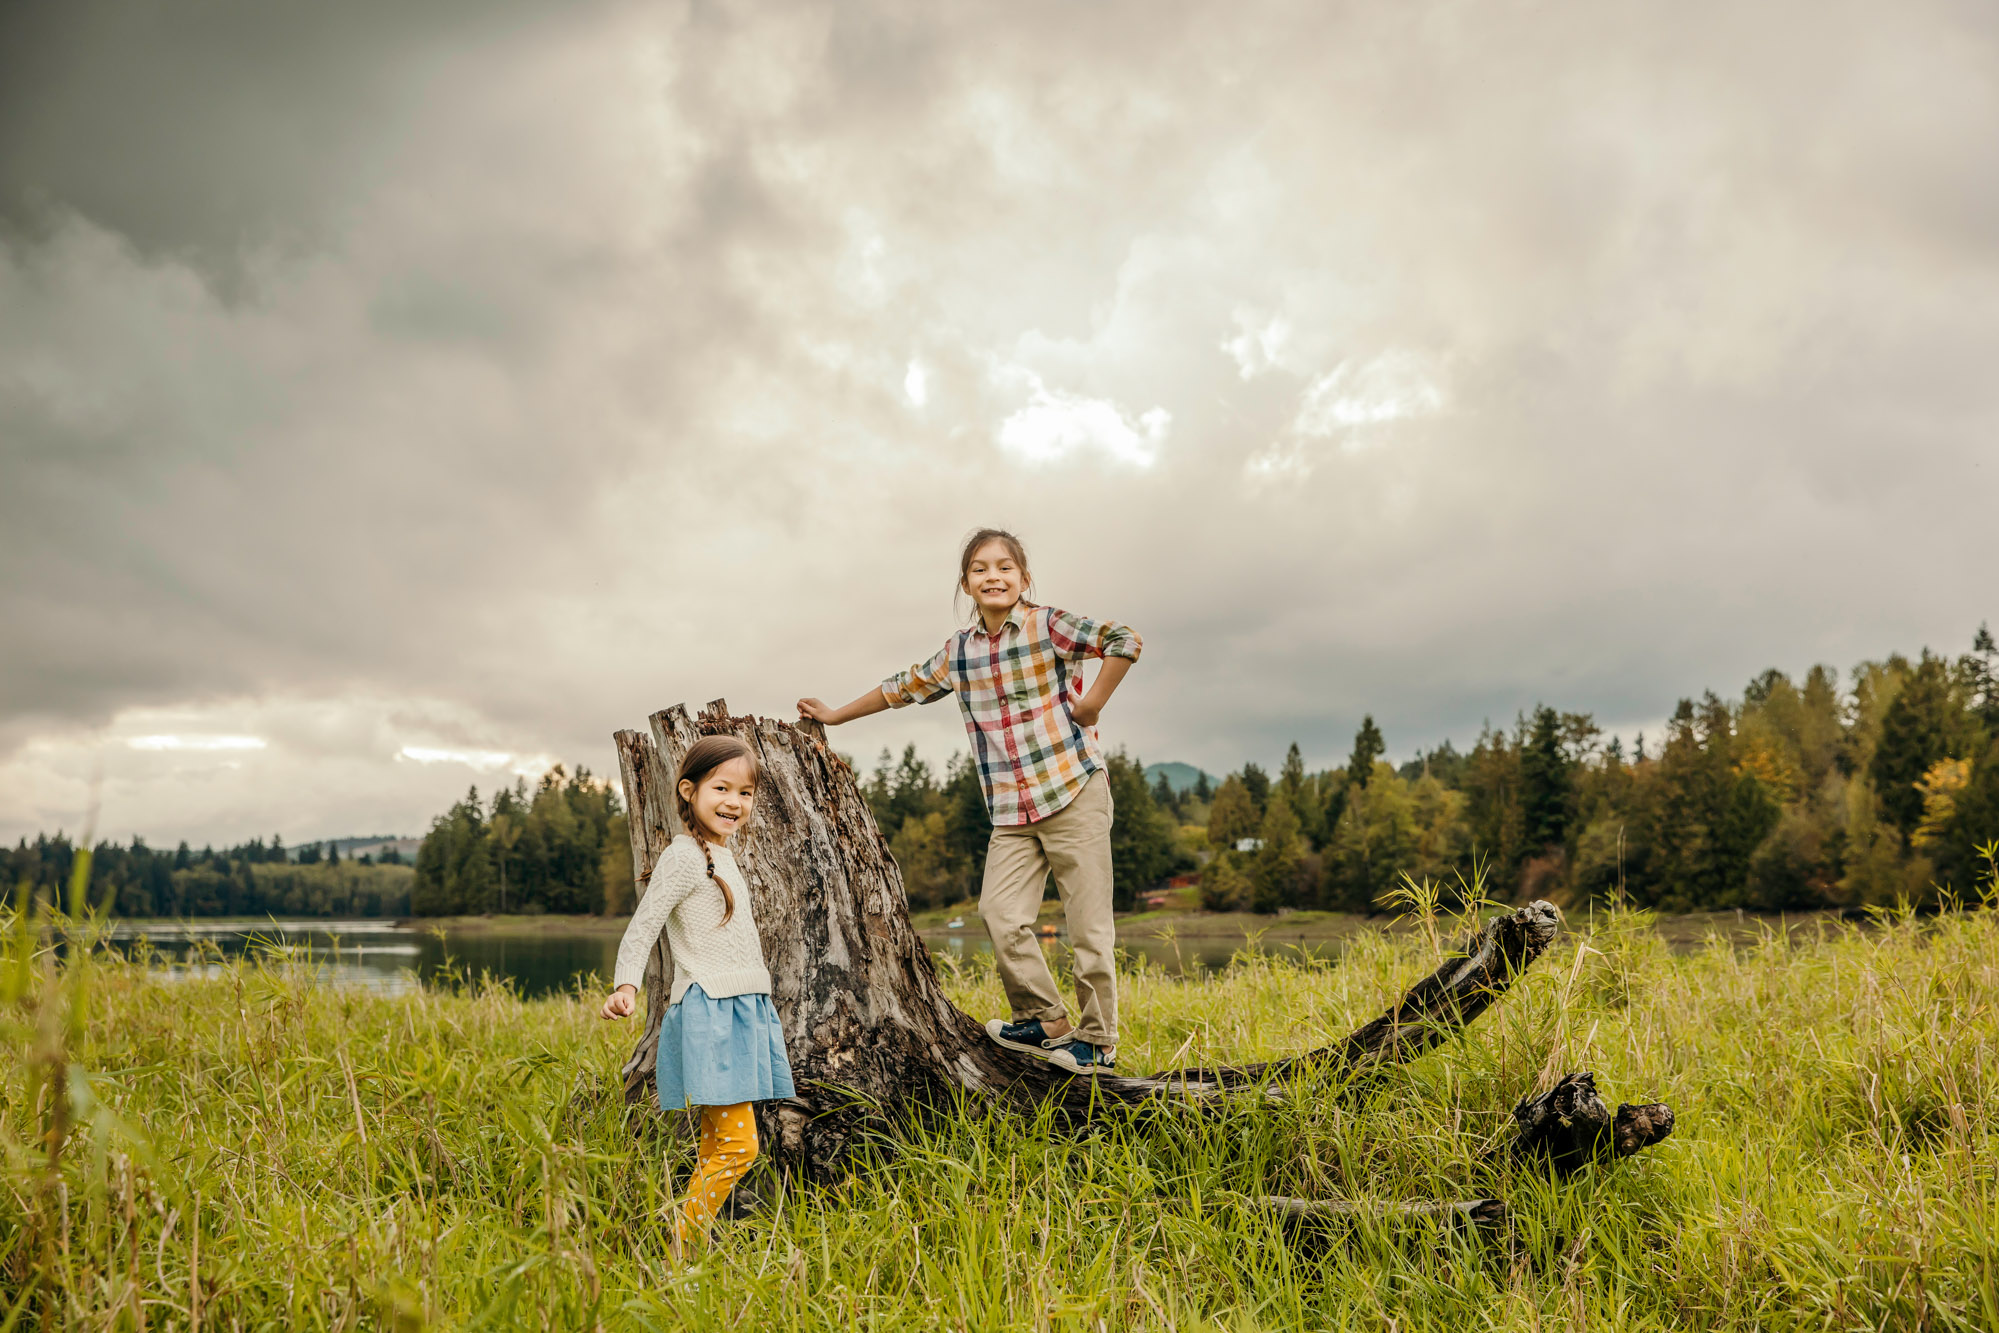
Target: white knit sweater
{"type": "Point", "coordinates": [682, 900]}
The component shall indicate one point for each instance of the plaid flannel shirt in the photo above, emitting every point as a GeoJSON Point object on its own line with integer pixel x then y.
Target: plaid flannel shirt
{"type": "Point", "coordinates": [1016, 689]}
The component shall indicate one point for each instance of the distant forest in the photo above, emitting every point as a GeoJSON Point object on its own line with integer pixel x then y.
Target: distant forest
{"type": "Point", "coordinates": [1797, 795]}
{"type": "Point", "coordinates": [561, 847]}
{"type": "Point", "coordinates": [251, 879]}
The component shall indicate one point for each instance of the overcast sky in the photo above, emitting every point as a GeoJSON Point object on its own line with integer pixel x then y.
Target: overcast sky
{"type": "Point", "coordinates": [395, 397]}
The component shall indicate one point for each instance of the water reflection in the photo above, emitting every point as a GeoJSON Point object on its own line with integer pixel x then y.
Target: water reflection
{"type": "Point", "coordinates": [391, 959]}
{"type": "Point", "coordinates": [1176, 957]}
{"type": "Point", "coordinates": [380, 956]}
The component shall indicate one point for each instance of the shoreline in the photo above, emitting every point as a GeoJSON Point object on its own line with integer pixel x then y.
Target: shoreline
{"type": "Point", "coordinates": [1156, 925]}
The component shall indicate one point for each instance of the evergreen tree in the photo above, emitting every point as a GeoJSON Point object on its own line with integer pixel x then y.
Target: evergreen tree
{"type": "Point", "coordinates": [1921, 726]}
{"type": "Point", "coordinates": [1273, 870]}
{"type": "Point", "coordinates": [1145, 846]}
{"type": "Point", "coordinates": [915, 793]}
{"type": "Point", "coordinates": [1204, 791]}
{"type": "Point", "coordinates": [1545, 786]}
{"type": "Point", "coordinates": [1984, 673]}
{"type": "Point", "coordinates": [1493, 801]}
{"type": "Point", "coordinates": [1291, 780]}
{"type": "Point", "coordinates": [1257, 783]}
{"type": "Point", "coordinates": [1443, 763]}
{"type": "Point", "coordinates": [1367, 747]}
{"type": "Point", "coordinates": [1233, 815]}
{"type": "Point", "coordinates": [1330, 802]}
{"type": "Point", "coordinates": [1974, 823]}
{"type": "Point", "coordinates": [1375, 841]}
{"type": "Point", "coordinates": [618, 891]}
{"type": "Point", "coordinates": [968, 827]}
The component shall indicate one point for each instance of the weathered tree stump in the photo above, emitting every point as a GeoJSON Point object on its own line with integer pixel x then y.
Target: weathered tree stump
{"type": "Point", "coordinates": [869, 1031]}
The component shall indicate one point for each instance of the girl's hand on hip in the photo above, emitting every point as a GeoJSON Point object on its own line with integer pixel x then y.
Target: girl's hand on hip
{"type": "Point", "coordinates": [621, 1003]}
{"type": "Point", "coordinates": [1086, 713]}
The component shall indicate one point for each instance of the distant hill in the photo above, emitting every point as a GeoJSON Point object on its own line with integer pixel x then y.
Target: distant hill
{"type": "Point", "coordinates": [1180, 777]}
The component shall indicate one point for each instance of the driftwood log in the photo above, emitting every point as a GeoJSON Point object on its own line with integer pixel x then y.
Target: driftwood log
{"type": "Point", "coordinates": [869, 1031]}
{"type": "Point", "coordinates": [1568, 1126]}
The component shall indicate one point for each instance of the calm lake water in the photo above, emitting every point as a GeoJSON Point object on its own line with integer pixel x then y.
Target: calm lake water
{"type": "Point", "coordinates": [382, 956]}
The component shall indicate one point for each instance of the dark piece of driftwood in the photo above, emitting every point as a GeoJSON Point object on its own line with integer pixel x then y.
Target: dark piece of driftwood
{"type": "Point", "coordinates": [868, 1028]}
{"type": "Point", "coordinates": [1563, 1129]}
{"type": "Point", "coordinates": [1568, 1126]}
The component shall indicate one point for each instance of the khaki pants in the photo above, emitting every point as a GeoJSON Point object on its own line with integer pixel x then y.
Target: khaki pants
{"type": "Point", "coordinates": [1075, 843]}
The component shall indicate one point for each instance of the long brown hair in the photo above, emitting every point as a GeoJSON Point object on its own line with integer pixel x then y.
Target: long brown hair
{"type": "Point", "coordinates": [702, 758]}
{"type": "Point", "coordinates": [1014, 548]}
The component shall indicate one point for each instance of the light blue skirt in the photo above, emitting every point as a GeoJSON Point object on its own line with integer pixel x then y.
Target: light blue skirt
{"type": "Point", "coordinates": [720, 1052]}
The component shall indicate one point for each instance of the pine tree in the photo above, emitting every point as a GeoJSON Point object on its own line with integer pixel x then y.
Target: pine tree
{"type": "Point", "coordinates": [1273, 874]}
{"type": "Point", "coordinates": [968, 828]}
{"type": "Point", "coordinates": [1917, 730]}
{"type": "Point", "coordinates": [1291, 777]}
{"type": "Point", "coordinates": [1984, 663]}
{"type": "Point", "coordinates": [1257, 783]}
{"type": "Point", "coordinates": [1974, 824]}
{"type": "Point", "coordinates": [1375, 840]}
{"type": "Point", "coordinates": [1546, 788]}
{"type": "Point", "coordinates": [1145, 845]}
{"type": "Point", "coordinates": [1367, 747]}
{"type": "Point", "coordinates": [1233, 816]}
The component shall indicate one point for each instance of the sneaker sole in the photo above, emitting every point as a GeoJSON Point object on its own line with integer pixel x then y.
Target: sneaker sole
{"type": "Point", "coordinates": [1064, 1061]}
{"type": "Point", "coordinates": [993, 1026]}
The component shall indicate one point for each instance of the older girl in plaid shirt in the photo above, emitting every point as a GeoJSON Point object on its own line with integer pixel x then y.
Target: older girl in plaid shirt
{"type": "Point", "coordinates": [1017, 672]}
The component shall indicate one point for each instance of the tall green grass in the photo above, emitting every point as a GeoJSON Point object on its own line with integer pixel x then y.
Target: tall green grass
{"type": "Point", "coordinates": [256, 1151]}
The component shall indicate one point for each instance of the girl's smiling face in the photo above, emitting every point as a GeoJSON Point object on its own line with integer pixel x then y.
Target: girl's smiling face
{"type": "Point", "coordinates": [994, 578]}
{"type": "Point", "coordinates": [722, 801]}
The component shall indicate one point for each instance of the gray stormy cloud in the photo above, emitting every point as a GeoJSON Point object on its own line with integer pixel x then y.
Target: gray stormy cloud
{"type": "Point", "coordinates": [485, 376]}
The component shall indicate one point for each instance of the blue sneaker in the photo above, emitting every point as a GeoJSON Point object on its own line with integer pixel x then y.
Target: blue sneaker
{"type": "Point", "coordinates": [1079, 1057]}
{"type": "Point", "coordinates": [1029, 1036]}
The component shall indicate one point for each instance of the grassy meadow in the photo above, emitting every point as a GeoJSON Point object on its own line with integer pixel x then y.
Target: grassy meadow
{"type": "Point", "coordinates": [255, 1151]}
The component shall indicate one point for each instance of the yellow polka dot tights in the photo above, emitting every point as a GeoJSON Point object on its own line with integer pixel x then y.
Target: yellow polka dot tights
{"type": "Point", "coordinates": [728, 1148]}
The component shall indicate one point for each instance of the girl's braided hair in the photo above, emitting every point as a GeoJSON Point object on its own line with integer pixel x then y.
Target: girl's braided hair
{"type": "Point", "coordinates": [702, 758]}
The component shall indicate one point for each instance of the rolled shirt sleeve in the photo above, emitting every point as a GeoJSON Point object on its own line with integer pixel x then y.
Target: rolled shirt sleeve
{"type": "Point", "coordinates": [925, 682]}
{"type": "Point", "coordinates": [1076, 637]}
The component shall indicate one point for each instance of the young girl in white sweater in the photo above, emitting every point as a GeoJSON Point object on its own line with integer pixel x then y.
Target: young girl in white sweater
{"type": "Point", "coordinates": [721, 1045]}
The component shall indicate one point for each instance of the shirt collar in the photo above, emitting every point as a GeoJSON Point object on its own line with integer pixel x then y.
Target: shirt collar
{"type": "Point", "coordinates": [1016, 617]}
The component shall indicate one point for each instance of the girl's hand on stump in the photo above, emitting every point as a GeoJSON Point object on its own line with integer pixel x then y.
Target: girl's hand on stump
{"type": "Point", "coordinates": [818, 711]}
{"type": "Point", "coordinates": [621, 1003]}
